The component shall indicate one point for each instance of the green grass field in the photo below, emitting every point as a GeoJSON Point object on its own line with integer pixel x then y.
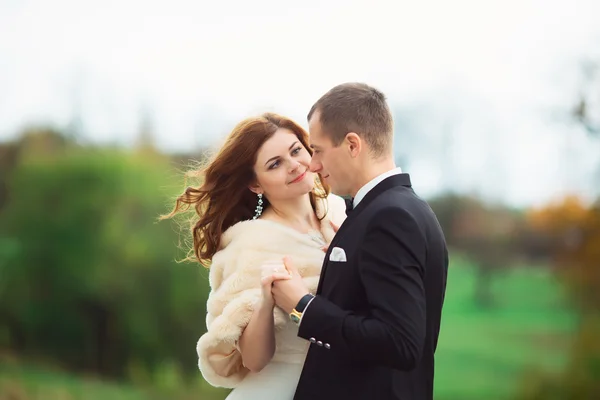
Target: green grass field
{"type": "Point", "coordinates": [482, 352]}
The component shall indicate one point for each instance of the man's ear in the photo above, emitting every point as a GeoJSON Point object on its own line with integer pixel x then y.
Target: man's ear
{"type": "Point", "coordinates": [354, 144]}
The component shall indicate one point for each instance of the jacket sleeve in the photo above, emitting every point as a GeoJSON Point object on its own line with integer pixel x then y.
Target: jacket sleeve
{"type": "Point", "coordinates": [391, 267]}
{"type": "Point", "coordinates": [235, 289]}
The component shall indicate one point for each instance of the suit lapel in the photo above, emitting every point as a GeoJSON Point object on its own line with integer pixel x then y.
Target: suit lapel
{"type": "Point", "coordinates": [388, 183]}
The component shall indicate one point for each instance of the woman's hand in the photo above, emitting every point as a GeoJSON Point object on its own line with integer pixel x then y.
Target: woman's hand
{"type": "Point", "coordinates": [271, 273]}
{"type": "Point", "coordinates": [257, 343]}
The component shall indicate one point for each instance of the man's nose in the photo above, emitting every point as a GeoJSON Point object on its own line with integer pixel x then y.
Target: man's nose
{"type": "Point", "coordinates": [315, 166]}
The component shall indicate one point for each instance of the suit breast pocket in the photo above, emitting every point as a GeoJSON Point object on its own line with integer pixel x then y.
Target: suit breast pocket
{"type": "Point", "coordinates": [341, 282]}
{"type": "Point", "coordinates": [336, 264]}
{"type": "Point", "coordinates": [334, 269]}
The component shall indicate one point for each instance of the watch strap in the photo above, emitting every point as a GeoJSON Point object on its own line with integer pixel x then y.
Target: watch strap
{"type": "Point", "coordinates": [296, 314]}
{"type": "Point", "coordinates": [303, 302]}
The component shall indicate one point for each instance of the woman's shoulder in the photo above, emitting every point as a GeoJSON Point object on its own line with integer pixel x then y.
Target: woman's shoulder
{"type": "Point", "coordinates": [336, 201]}
{"type": "Point", "coordinates": [243, 231]}
{"type": "Point", "coordinates": [234, 255]}
{"type": "Point", "coordinates": [336, 208]}
{"type": "Point", "coordinates": [255, 236]}
{"type": "Point", "coordinates": [247, 245]}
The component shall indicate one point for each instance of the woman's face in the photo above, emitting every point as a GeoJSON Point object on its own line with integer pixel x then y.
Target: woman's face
{"type": "Point", "coordinates": [281, 167]}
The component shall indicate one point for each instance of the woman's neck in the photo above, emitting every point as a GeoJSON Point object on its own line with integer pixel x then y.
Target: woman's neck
{"type": "Point", "coordinates": [297, 213]}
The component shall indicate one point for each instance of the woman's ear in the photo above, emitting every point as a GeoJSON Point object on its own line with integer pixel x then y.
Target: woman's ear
{"type": "Point", "coordinates": [255, 188]}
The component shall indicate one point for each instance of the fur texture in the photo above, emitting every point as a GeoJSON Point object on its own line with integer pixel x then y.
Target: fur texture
{"type": "Point", "coordinates": [234, 280]}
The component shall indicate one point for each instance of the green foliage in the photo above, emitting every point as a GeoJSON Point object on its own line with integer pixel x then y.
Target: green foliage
{"type": "Point", "coordinates": [88, 276]}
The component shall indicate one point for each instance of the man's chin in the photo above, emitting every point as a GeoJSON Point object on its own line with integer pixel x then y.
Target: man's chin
{"type": "Point", "coordinates": [338, 191]}
{"type": "Point", "coordinates": [333, 188]}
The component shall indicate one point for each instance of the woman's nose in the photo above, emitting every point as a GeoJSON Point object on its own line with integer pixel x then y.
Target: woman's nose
{"type": "Point", "coordinates": [294, 166]}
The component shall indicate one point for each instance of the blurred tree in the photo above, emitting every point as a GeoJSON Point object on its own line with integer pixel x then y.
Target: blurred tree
{"type": "Point", "coordinates": [483, 232]}
{"type": "Point", "coordinates": [146, 136]}
{"type": "Point", "coordinates": [574, 229]}
{"type": "Point", "coordinates": [9, 154]}
{"type": "Point", "coordinates": [586, 111]}
{"type": "Point", "coordinates": [408, 142]}
{"type": "Point", "coordinates": [93, 284]}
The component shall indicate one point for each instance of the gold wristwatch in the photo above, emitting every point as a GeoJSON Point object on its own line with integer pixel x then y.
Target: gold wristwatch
{"type": "Point", "coordinates": [296, 313]}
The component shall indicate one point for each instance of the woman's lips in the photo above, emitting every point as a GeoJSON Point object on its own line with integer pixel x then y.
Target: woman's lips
{"type": "Point", "coordinates": [299, 178]}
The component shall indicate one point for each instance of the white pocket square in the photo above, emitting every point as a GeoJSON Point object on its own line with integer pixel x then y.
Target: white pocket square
{"type": "Point", "coordinates": [337, 254]}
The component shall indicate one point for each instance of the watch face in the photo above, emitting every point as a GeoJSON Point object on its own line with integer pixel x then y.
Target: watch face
{"type": "Point", "coordinates": [294, 318]}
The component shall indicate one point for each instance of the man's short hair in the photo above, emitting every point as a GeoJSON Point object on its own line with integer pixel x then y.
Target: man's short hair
{"type": "Point", "coordinates": [359, 108]}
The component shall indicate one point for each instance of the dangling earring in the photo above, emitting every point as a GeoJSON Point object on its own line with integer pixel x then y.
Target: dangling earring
{"type": "Point", "coordinates": [259, 207]}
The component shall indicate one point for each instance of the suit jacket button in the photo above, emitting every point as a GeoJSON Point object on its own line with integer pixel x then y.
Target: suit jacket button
{"type": "Point", "coordinates": [312, 340]}
{"type": "Point", "coordinates": [327, 346]}
{"type": "Point", "coordinates": [319, 343]}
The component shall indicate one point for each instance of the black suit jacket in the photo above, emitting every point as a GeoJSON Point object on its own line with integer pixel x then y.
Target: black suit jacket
{"type": "Point", "coordinates": [374, 323]}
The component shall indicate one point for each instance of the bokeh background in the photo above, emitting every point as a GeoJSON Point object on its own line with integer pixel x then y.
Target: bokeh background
{"type": "Point", "coordinates": [104, 106]}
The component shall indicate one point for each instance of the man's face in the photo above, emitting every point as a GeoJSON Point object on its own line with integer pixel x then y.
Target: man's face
{"type": "Point", "coordinates": [332, 163]}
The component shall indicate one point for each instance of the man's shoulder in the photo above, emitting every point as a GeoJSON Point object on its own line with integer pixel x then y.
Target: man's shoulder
{"type": "Point", "coordinates": [399, 202]}
{"type": "Point", "coordinates": [396, 199]}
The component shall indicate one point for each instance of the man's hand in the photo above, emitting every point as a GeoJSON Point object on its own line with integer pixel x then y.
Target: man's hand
{"type": "Point", "coordinates": [271, 273]}
{"type": "Point", "coordinates": [335, 229]}
{"type": "Point", "coordinates": [288, 292]}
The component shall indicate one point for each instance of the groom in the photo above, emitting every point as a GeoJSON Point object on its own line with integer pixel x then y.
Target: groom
{"type": "Point", "coordinates": [373, 325]}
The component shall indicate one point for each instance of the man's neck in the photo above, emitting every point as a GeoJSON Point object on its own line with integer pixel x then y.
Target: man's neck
{"type": "Point", "coordinates": [372, 170]}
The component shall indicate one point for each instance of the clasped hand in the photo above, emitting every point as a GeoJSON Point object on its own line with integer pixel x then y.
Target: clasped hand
{"type": "Point", "coordinates": [282, 284]}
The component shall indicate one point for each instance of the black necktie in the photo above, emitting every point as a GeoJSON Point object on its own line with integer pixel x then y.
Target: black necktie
{"type": "Point", "coordinates": [349, 205]}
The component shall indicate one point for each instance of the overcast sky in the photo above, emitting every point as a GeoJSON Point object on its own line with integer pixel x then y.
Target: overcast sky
{"type": "Point", "coordinates": [495, 74]}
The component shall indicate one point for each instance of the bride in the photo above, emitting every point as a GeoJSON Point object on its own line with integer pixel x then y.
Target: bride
{"type": "Point", "coordinates": [258, 202]}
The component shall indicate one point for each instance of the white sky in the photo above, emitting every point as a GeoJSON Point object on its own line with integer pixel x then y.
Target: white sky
{"type": "Point", "coordinates": [495, 72]}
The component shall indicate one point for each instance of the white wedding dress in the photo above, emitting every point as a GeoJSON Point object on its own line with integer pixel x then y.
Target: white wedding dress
{"type": "Point", "coordinates": [278, 380]}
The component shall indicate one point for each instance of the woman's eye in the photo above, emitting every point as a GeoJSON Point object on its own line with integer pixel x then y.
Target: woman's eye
{"type": "Point", "coordinates": [296, 150]}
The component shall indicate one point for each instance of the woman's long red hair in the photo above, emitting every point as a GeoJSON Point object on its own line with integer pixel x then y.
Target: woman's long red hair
{"type": "Point", "coordinates": [223, 198]}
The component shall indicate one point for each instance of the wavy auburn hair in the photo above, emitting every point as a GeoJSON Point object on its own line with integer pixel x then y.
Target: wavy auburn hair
{"type": "Point", "coordinates": [223, 197]}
